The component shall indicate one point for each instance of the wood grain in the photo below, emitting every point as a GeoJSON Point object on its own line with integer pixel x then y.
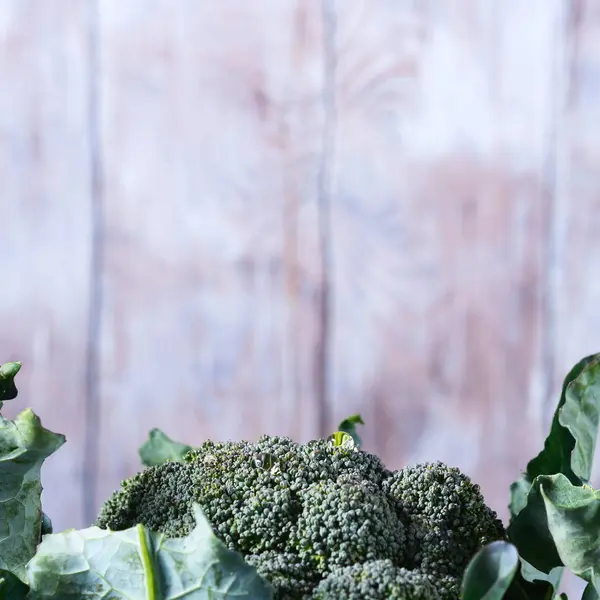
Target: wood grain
{"type": "Point", "coordinates": [575, 285]}
{"type": "Point", "coordinates": [211, 121]}
{"type": "Point", "coordinates": [45, 205]}
{"type": "Point", "coordinates": [439, 225]}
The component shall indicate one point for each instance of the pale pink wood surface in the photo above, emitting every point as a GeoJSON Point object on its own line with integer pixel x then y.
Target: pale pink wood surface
{"type": "Point", "coordinates": [211, 131]}
{"type": "Point", "coordinates": [45, 227]}
{"type": "Point", "coordinates": [305, 209]}
{"type": "Point", "coordinates": [441, 202]}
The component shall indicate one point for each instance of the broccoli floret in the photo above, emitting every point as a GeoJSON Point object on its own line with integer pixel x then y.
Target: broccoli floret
{"type": "Point", "coordinates": [288, 574]}
{"type": "Point", "coordinates": [447, 520]}
{"type": "Point", "coordinates": [376, 580]}
{"type": "Point", "coordinates": [159, 497]}
{"type": "Point", "coordinates": [347, 522]}
{"type": "Point", "coordinates": [303, 512]}
{"type": "Point", "coordinates": [323, 464]}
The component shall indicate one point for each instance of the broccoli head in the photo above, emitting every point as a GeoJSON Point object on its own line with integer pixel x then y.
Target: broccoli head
{"type": "Point", "coordinates": [446, 518]}
{"type": "Point", "coordinates": [319, 517]}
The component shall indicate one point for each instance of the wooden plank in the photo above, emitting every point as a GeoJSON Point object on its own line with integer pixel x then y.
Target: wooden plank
{"type": "Point", "coordinates": [439, 201]}
{"type": "Point", "coordinates": [576, 247]}
{"type": "Point", "coordinates": [45, 205]}
{"type": "Point", "coordinates": [211, 137]}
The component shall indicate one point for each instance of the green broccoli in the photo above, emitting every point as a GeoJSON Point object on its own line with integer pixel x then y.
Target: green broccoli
{"type": "Point", "coordinates": [288, 574]}
{"type": "Point", "coordinates": [304, 514]}
{"type": "Point", "coordinates": [446, 518]}
{"type": "Point", "coordinates": [345, 522]}
{"type": "Point", "coordinates": [378, 580]}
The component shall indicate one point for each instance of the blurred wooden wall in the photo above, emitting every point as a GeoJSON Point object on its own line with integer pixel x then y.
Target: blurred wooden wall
{"type": "Point", "coordinates": [232, 218]}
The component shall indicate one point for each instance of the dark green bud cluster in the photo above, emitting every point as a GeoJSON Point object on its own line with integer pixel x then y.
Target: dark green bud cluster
{"type": "Point", "coordinates": [447, 520]}
{"type": "Point", "coordinates": [376, 580]}
{"type": "Point", "coordinates": [347, 522]}
{"type": "Point", "coordinates": [287, 573]}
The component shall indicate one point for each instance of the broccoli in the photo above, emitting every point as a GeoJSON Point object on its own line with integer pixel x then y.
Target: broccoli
{"type": "Point", "coordinates": [379, 580]}
{"type": "Point", "coordinates": [347, 522]}
{"type": "Point", "coordinates": [446, 517]}
{"type": "Point", "coordinates": [318, 518]}
{"type": "Point", "coordinates": [288, 574]}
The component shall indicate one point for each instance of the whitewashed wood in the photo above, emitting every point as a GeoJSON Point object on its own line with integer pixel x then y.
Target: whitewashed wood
{"type": "Point", "coordinates": [211, 120]}
{"type": "Point", "coordinates": [459, 256]}
{"type": "Point", "coordinates": [575, 281]}
{"type": "Point", "coordinates": [45, 245]}
{"type": "Point", "coordinates": [440, 201]}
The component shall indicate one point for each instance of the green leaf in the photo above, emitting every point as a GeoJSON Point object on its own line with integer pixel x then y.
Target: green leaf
{"type": "Point", "coordinates": [569, 517]}
{"type": "Point", "coordinates": [160, 448]}
{"type": "Point", "coordinates": [8, 389]}
{"type": "Point", "coordinates": [348, 426]}
{"type": "Point", "coordinates": [531, 574]}
{"type": "Point", "coordinates": [535, 584]}
{"type": "Point", "coordinates": [490, 572]}
{"type": "Point", "coordinates": [518, 494]}
{"type": "Point", "coordinates": [24, 445]}
{"type": "Point", "coordinates": [135, 563]}
{"type": "Point", "coordinates": [11, 587]}
{"type": "Point", "coordinates": [569, 448]}
{"type": "Point", "coordinates": [530, 533]}
{"type": "Point", "coordinates": [574, 522]}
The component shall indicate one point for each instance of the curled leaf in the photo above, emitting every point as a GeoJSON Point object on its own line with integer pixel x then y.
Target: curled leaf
{"type": "Point", "coordinates": [490, 572]}
{"type": "Point", "coordinates": [349, 426]}
{"type": "Point", "coordinates": [567, 519]}
{"type": "Point", "coordinates": [160, 448]}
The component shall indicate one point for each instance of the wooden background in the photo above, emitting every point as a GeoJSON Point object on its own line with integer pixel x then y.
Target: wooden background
{"type": "Point", "coordinates": [232, 218]}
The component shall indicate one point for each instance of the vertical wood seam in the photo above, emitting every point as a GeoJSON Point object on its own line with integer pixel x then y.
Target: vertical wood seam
{"type": "Point", "coordinates": [549, 261]}
{"type": "Point", "coordinates": [92, 360]}
{"type": "Point", "coordinates": [324, 194]}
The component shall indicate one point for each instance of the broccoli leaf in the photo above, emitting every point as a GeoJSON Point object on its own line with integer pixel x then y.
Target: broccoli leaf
{"type": "Point", "coordinates": [567, 519]}
{"type": "Point", "coordinates": [570, 446]}
{"type": "Point", "coordinates": [136, 563]}
{"type": "Point", "coordinates": [573, 514]}
{"type": "Point", "coordinates": [11, 587]}
{"type": "Point", "coordinates": [160, 448]}
{"type": "Point", "coordinates": [529, 530]}
{"type": "Point", "coordinates": [24, 445]}
{"type": "Point", "coordinates": [348, 426]}
{"type": "Point", "coordinates": [8, 389]}
{"type": "Point", "coordinates": [490, 572]}
{"type": "Point", "coordinates": [535, 584]}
